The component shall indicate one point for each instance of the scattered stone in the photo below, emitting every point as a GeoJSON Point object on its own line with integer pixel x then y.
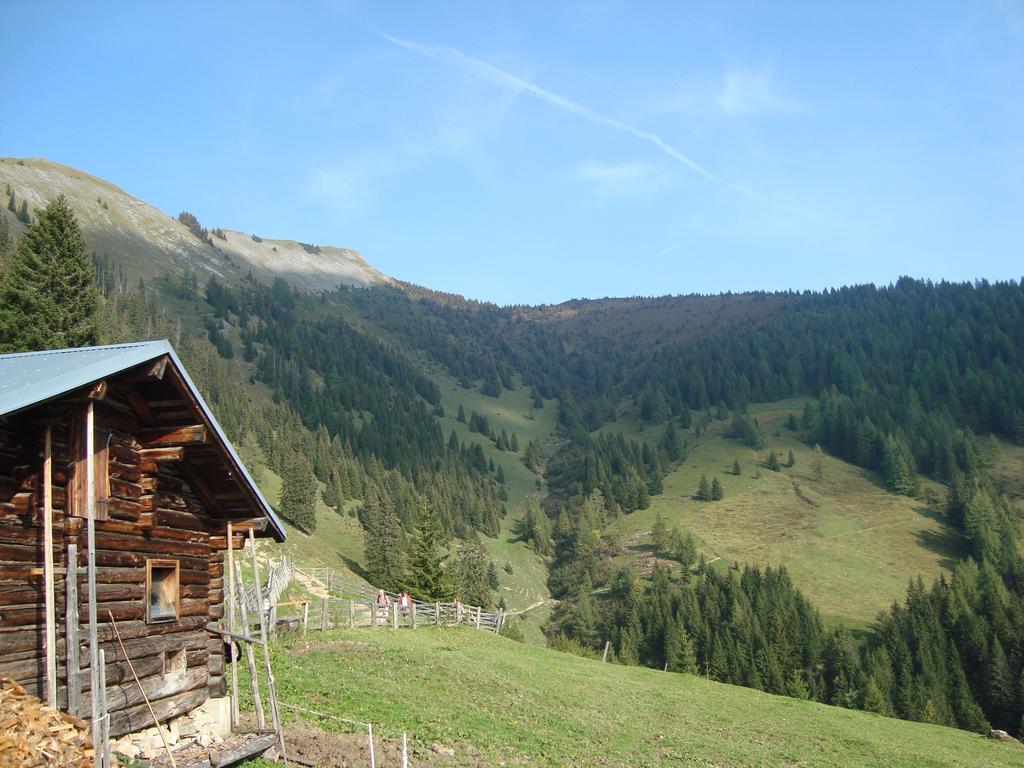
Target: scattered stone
{"type": "Point", "coordinates": [446, 751]}
{"type": "Point", "coordinates": [995, 733]}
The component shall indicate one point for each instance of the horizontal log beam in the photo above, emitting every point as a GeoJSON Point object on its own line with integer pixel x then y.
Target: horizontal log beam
{"type": "Point", "coordinates": [167, 436]}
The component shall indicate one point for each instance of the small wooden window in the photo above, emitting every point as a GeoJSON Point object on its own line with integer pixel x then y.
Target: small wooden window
{"type": "Point", "coordinates": [79, 475]}
{"type": "Point", "coordinates": [163, 602]}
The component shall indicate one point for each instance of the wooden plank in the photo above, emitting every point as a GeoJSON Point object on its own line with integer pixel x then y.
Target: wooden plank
{"type": "Point", "coordinates": [74, 683]}
{"type": "Point", "coordinates": [137, 718]}
{"type": "Point", "coordinates": [90, 507]}
{"type": "Point", "coordinates": [157, 437]}
{"type": "Point", "coordinates": [158, 686]}
{"type": "Point", "coordinates": [201, 489]}
{"type": "Point", "coordinates": [234, 752]}
{"type": "Point", "coordinates": [51, 603]}
{"type": "Point", "coordinates": [147, 372]}
{"type": "Point", "coordinates": [232, 627]}
{"type": "Point", "coordinates": [139, 405]}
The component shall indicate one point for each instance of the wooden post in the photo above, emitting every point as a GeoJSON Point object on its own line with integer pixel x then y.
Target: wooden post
{"type": "Point", "coordinates": [478, 617]}
{"type": "Point", "coordinates": [607, 645]}
{"type": "Point", "coordinates": [100, 707]}
{"type": "Point", "coordinates": [437, 614]}
{"type": "Point", "coordinates": [351, 613]}
{"type": "Point", "coordinates": [414, 615]}
{"type": "Point", "coordinates": [499, 619]}
{"type": "Point", "coordinates": [90, 506]}
{"type": "Point", "coordinates": [324, 615]}
{"type": "Point", "coordinates": [71, 641]}
{"type": "Point", "coordinates": [51, 602]}
{"type": "Point", "coordinates": [232, 627]}
{"type": "Point", "coordinates": [373, 613]}
{"type": "Point", "coordinates": [305, 617]}
{"type": "Point", "coordinates": [369, 733]}
{"type": "Point", "coordinates": [271, 690]}
{"type": "Point", "coordinates": [273, 620]}
{"type": "Point", "coordinates": [394, 615]}
{"type": "Point", "coordinates": [250, 657]}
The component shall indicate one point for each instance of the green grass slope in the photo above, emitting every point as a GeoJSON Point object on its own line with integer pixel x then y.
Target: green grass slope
{"type": "Point", "coordinates": [496, 702]}
{"type": "Point", "coordinates": [525, 589]}
{"type": "Point", "coordinates": [849, 545]}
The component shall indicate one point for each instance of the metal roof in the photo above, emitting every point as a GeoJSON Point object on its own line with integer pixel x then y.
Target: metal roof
{"type": "Point", "coordinates": [30, 378]}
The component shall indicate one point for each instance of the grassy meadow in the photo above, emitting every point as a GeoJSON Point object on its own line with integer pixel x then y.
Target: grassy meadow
{"type": "Point", "coordinates": [526, 587]}
{"type": "Point", "coordinates": [849, 545]}
{"type": "Point", "coordinates": [496, 702]}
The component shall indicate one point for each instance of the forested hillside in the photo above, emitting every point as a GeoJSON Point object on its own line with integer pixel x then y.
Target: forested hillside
{"type": "Point", "coordinates": [337, 392]}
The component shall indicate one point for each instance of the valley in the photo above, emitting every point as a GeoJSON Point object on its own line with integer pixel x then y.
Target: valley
{"type": "Point", "coordinates": [856, 477]}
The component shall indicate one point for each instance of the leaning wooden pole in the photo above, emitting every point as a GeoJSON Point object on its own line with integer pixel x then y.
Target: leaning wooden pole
{"type": "Point", "coordinates": [250, 657]}
{"type": "Point", "coordinates": [51, 602]}
{"type": "Point", "coordinates": [271, 689]}
{"type": "Point", "coordinates": [145, 698]}
{"type": "Point", "coordinates": [232, 627]}
{"type": "Point", "coordinates": [90, 506]}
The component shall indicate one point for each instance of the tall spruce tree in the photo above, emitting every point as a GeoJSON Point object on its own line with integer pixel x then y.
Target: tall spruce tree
{"type": "Point", "coordinates": [48, 298]}
{"type": "Point", "coordinates": [472, 568]}
{"type": "Point", "coordinates": [298, 493]}
{"type": "Point", "coordinates": [427, 579]}
{"type": "Point", "coordinates": [660, 534]}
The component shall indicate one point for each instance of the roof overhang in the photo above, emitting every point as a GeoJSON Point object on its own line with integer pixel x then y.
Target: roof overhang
{"type": "Point", "coordinates": [30, 379]}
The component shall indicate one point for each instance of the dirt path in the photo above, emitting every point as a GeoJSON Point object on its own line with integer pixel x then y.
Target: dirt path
{"type": "Point", "coordinates": [528, 608]}
{"type": "Point", "coordinates": [309, 746]}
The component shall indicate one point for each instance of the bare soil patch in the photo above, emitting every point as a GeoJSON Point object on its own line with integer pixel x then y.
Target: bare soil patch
{"type": "Point", "coordinates": [307, 745]}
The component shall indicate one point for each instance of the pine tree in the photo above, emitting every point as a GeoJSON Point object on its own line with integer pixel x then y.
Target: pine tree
{"type": "Point", "coordinates": [816, 462]}
{"type": "Point", "coordinates": [659, 535]}
{"type": "Point", "coordinates": [773, 462]}
{"type": "Point", "coordinates": [790, 460]}
{"type": "Point", "coordinates": [461, 415]}
{"type": "Point", "coordinates": [48, 298]}
{"type": "Point", "coordinates": [426, 575]}
{"type": "Point", "coordinates": [513, 443]}
{"type": "Point", "coordinates": [703, 490]}
{"type": "Point", "coordinates": [584, 613]}
{"type": "Point", "coordinates": [736, 467]}
{"type": "Point", "coordinates": [875, 700]}
{"type": "Point", "coordinates": [298, 493]}
{"type": "Point", "coordinates": [471, 573]}
{"type": "Point", "coordinates": [384, 544]}
{"type": "Point", "coordinates": [717, 492]}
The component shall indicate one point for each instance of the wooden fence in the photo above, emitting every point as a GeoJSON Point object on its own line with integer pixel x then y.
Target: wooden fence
{"type": "Point", "coordinates": [355, 605]}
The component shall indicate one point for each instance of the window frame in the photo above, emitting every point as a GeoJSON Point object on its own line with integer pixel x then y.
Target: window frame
{"type": "Point", "coordinates": [152, 563]}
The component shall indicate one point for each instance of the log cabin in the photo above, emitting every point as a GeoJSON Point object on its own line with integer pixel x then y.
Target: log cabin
{"type": "Point", "coordinates": [121, 435]}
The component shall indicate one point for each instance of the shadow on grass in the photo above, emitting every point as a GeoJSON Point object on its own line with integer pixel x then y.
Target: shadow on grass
{"type": "Point", "coordinates": [355, 567]}
{"type": "Point", "coordinates": [947, 542]}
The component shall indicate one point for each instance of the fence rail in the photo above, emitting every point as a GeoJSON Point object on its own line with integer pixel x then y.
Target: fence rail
{"type": "Point", "coordinates": [352, 604]}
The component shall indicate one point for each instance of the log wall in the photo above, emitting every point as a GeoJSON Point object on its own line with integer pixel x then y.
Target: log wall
{"type": "Point", "coordinates": [152, 514]}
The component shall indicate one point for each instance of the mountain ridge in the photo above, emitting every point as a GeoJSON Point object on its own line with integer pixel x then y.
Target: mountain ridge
{"type": "Point", "coordinates": [116, 222]}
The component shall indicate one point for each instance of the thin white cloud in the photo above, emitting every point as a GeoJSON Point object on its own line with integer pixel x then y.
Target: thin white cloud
{"type": "Point", "coordinates": [617, 180]}
{"type": "Point", "coordinates": [455, 58]}
{"type": "Point", "coordinates": [748, 91]}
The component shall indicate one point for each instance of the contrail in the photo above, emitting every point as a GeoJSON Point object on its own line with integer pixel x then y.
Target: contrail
{"type": "Point", "coordinates": [485, 71]}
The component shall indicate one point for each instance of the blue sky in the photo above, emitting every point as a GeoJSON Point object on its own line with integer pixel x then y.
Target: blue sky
{"type": "Point", "coordinates": [532, 152]}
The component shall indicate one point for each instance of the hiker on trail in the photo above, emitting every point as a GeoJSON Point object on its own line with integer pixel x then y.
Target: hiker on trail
{"type": "Point", "coordinates": [405, 602]}
{"type": "Point", "coordinates": [383, 602]}
{"type": "Point", "coordinates": [457, 607]}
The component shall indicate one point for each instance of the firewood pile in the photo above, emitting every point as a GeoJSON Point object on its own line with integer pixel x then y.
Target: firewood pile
{"type": "Point", "coordinates": [33, 734]}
